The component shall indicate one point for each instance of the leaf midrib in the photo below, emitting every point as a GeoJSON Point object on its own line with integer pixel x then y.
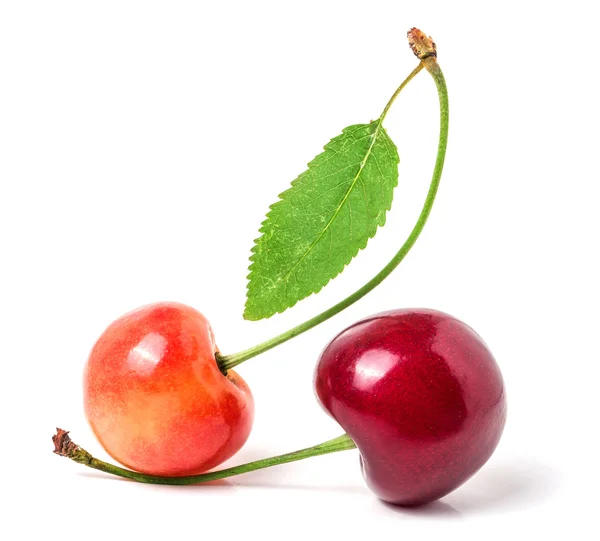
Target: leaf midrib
{"type": "Point", "coordinates": [339, 207]}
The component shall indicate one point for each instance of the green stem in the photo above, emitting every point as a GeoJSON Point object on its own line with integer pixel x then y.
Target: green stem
{"type": "Point", "coordinates": [398, 90]}
{"type": "Point", "coordinates": [430, 64]}
{"type": "Point", "coordinates": [67, 448]}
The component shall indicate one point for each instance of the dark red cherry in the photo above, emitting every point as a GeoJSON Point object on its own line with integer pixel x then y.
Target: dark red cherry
{"type": "Point", "coordinates": [421, 396]}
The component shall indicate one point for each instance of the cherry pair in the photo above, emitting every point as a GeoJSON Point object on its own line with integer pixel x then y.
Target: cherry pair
{"type": "Point", "coordinates": [417, 391]}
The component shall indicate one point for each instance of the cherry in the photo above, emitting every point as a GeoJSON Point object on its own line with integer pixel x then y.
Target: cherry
{"type": "Point", "coordinates": [155, 397]}
{"type": "Point", "coordinates": [421, 396]}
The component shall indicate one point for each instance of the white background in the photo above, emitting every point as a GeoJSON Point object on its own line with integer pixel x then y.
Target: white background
{"type": "Point", "coordinates": [140, 146]}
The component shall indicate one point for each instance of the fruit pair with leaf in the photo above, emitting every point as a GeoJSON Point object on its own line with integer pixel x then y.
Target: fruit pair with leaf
{"type": "Point", "coordinates": [417, 391]}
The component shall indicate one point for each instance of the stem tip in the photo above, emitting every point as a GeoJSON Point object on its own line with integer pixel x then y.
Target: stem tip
{"type": "Point", "coordinates": [64, 446]}
{"type": "Point", "coordinates": [421, 44]}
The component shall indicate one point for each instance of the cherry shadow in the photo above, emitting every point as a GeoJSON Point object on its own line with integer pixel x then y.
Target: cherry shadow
{"type": "Point", "coordinates": [505, 487]}
{"type": "Point", "coordinates": [282, 485]}
{"type": "Point", "coordinates": [437, 509]}
{"type": "Point", "coordinates": [220, 483]}
{"type": "Point", "coordinates": [497, 488]}
{"type": "Point", "coordinates": [257, 479]}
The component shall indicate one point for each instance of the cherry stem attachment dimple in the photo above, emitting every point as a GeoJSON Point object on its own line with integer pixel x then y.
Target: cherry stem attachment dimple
{"type": "Point", "coordinates": [424, 48]}
{"type": "Point", "coordinates": [64, 446]}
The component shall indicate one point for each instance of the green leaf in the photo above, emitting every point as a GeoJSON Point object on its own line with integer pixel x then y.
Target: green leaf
{"type": "Point", "coordinates": [321, 222]}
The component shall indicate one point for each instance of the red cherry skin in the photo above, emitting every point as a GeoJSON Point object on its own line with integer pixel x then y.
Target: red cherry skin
{"type": "Point", "coordinates": [421, 396]}
{"type": "Point", "coordinates": [155, 397]}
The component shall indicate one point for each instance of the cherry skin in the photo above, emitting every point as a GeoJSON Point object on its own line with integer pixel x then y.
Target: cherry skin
{"type": "Point", "coordinates": [421, 396]}
{"type": "Point", "coordinates": [155, 397]}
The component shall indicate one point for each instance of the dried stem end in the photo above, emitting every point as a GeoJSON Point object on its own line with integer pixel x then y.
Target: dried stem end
{"type": "Point", "coordinates": [64, 446]}
{"type": "Point", "coordinates": [421, 44]}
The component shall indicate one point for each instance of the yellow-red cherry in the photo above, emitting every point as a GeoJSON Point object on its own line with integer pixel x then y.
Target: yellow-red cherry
{"type": "Point", "coordinates": [156, 398]}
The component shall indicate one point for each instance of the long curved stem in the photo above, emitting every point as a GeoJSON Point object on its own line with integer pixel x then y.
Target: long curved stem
{"type": "Point", "coordinates": [63, 446]}
{"type": "Point", "coordinates": [430, 63]}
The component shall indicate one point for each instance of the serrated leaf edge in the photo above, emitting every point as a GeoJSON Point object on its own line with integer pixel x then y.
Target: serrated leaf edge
{"type": "Point", "coordinates": [380, 130]}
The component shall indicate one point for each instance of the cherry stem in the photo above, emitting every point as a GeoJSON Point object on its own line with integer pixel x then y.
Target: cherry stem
{"type": "Point", "coordinates": [64, 446]}
{"type": "Point", "coordinates": [424, 49]}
